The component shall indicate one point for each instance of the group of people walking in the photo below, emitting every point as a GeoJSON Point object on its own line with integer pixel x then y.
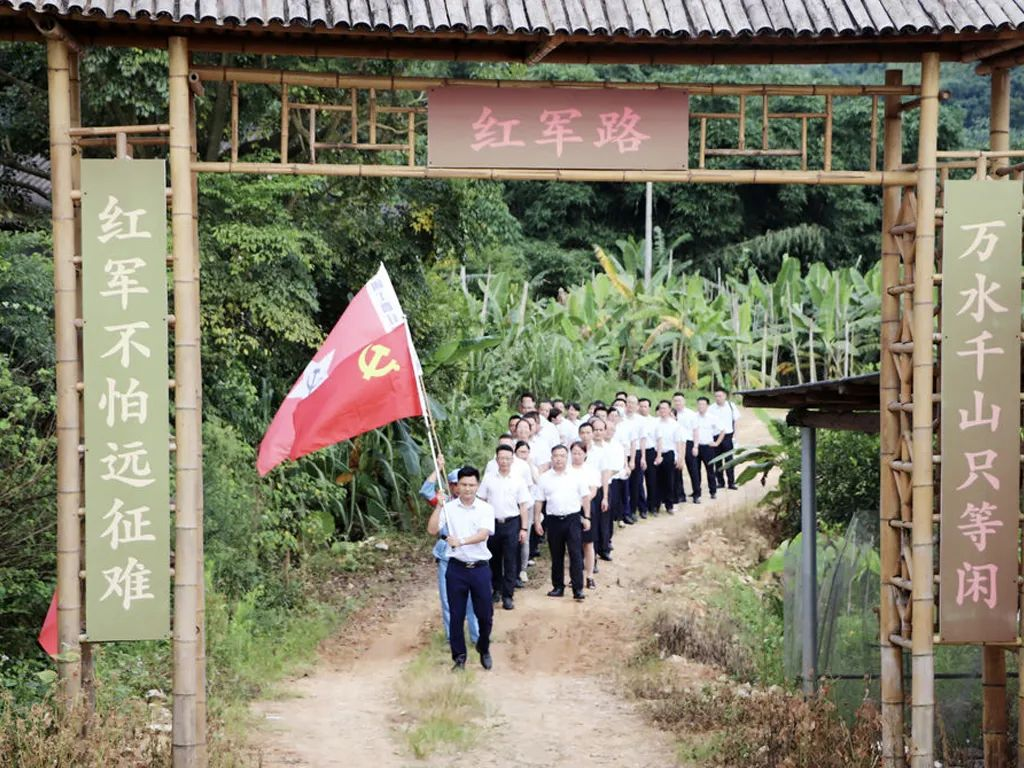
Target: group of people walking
{"type": "Point", "coordinates": [571, 478]}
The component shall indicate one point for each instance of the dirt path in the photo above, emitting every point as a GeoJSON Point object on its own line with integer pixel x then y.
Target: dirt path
{"type": "Point", "coordinates": [550, 699]}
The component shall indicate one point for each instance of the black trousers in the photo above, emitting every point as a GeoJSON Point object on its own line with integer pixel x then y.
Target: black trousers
{"type": "Point", "coordinates": [504, 546]}
{"type": "Point", "coordinates": [461, 582]}
{"type": "Point", "coordinates": [651, 478]}
{"type": "Point", "coordinates": [616, 505]}
{"type": "Point", "coordinates": [566, 533]}
{"type": "Point", "coordinates": [730, 473]}
{"type": "Point", "coordinates": [637, 497]}
{"type": "Point", "coordinates": [666, 484]}
{"type": "Point", "coordinates": [705, 455]}
{"type": "Point", "coordinates": [692, 465]}
{"type": "Point", "coordinates": [536, 539]}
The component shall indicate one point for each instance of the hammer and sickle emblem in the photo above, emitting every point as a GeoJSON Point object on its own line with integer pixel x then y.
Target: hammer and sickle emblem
{"type": "Point", "coordinates": [372, 361]}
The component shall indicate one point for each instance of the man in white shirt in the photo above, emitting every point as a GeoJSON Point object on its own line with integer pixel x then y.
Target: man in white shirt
{"type": "Point", "coordinates": [561, 494]}
{"type": "Point", "coordinates": [634, 425]}
{"type": "Point", "coordinates": [617, 436]}
{"type": "Point", "coordinates": [648, 439]}
{"type": "Point", "coordinates": [709, 436]}
{"type": "Point", "coordinates": [470, 522]}
{"type": "Point", "coordinates": [506, 492]}
{"type": "Point", "coordinates": [540, 442]}
{"type": "Point", "coordinates": [686, 417]}
{"type": "Point", "coordinates": [546, 427]}
{"type": "Point", "coordinates": [666, 431]}
{"type": "Point", "coordinates": [567, 431]}
{"type": "Point", "coordinates": [727, 414]}
{"type": "Point", "coordinates": [597, 456]}
{"type": "Point", "coordinates": [519, 467]}
{"type": "Point", "coordinates": [526, 403]}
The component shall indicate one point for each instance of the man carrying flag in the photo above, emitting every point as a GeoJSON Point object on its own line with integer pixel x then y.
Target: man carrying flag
{"type": "Point", "coordinates": [364, 376]}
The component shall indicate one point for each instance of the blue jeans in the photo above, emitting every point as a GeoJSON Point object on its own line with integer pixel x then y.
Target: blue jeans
{"type": "Point", "coordinates": [474, 625]}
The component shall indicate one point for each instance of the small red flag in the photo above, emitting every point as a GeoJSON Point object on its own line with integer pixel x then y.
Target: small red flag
{"type": "Point", "coordinates": [364, 376]}
{"type": "Point", "coordinates": [48, 634]}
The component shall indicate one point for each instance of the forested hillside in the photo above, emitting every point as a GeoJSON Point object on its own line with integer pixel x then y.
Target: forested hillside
{"type": "Point", "coordinates": [281, 257]}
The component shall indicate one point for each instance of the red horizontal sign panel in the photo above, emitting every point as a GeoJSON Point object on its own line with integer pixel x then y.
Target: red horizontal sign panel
{"type": "Point", "coordinates": [477, 127]}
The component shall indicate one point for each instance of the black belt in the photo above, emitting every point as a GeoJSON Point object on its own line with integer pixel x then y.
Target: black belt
{"type": "Point", "coordinates": [474, 564]}
{"type": "Point", "coordinates": [506, 519]}
{"type": "Point", "coordinates": [567, 514]}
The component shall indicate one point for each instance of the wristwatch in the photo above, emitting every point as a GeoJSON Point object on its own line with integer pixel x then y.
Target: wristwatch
{"type": "Point", "coordinates": [524, 529]}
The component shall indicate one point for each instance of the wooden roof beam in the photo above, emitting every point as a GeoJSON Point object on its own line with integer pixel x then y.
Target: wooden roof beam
{"type": "Point", "coordinates": [1004, 61]}
{"type": "Point", "coordinates": [51, 29]}
{"type": "Point", "coordinates": [544, 47]}
{"type": "Point", "coordinates": [988, 50]}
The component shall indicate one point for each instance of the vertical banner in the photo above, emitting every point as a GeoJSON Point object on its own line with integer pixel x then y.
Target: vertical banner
{"type": "Point", "coordinates": [125, 400]}
{"type": "Point", "coordinates": [981, 321]}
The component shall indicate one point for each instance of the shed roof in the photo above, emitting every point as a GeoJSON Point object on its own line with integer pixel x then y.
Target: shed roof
{"type": "Point", "coordinates": [854, 393]}
{"type": "Point", "coordinates": [634, 18]}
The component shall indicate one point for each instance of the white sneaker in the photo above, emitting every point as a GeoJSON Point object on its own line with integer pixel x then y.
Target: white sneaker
{"type": "Point", "coordinates": [523, 577]}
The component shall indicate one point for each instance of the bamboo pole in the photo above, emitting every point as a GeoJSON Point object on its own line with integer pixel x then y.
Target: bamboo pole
{"type": "Point", "coordinates": [200, 502]}
{"type": "Point", "coordinates": [889, 385]}
{"type": "Point", "coordinates": [284, 123]}
{"type": "Point", "coordinates": [389, 83]}
{"type": "Point", "coordinates": [68, 373]}
{"type": "Point", "coordinates": [692, 176]}
{"type": "Point", "coordinates": [827, 164]}
{"type": "Point", "coordinates": [993, 669]}
{"type": "Point", "coordinates": [923, 596]}
{"type": "Point", "coordinates": [186, 409]}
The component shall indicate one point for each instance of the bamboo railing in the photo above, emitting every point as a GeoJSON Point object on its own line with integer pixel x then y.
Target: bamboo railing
{"type": "Point", "coordinates": [354, 119]}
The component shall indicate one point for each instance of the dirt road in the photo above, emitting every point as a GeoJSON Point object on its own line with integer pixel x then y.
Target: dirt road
{"type": "Point", "coordinates": [550, 699]}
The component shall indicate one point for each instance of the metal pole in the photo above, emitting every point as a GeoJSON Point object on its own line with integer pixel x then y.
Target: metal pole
{"type": "Point", "coordinates": [185, 751]}
{"type": "Point", "coordinates": [809, 558]}
{"type": "Point", "coordinates": [648, 236]}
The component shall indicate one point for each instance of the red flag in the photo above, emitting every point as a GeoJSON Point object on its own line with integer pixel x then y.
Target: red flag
{"type": "Point", "coordinates": [366, 390]}
{"type": "Point", "coordinates": [48, 634]}
{"type": "Point", "coordinates": [373, 312]}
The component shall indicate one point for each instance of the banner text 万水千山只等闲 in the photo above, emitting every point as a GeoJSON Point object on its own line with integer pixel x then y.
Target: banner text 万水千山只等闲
{"type": "Point", "coordinates": [980, 412]}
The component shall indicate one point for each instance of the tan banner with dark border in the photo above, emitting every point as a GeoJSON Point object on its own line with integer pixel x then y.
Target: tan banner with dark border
{"type": "Point", "coordinates": [125, 399]}
{"type": "Point", "coordinates": [980, 411]}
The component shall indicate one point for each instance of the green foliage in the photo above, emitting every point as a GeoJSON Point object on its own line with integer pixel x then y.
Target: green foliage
{"type": "Point", "coordinates": [846, 481]}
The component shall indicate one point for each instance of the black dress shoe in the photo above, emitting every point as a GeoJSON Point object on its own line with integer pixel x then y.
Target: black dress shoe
{"type": "Point", "coordinates": [643, 515]}
{"type": "Point", "coordinates": [714, 496]}
{"type": "Point", "coordinates": [606, 558]}
{"type": "Point", "coordinates": [507, 603]}
{"type": "Point", "coordinates": [733, 488]}
{"type": "Point", "coordinates": [485, 661]}
{"type": "Point", "coordinates": [459, 665]}
{"type": "Point", "coordinates": [629, 520]}
{"type": "Point", "coordinates": [557, 592]}
{"type": "Point", "coordinates": [578, 595]}
{"type": "Point", "coordinates": [520, 583]}
{"type": "Point", "coordinates": [495, 597]}
{"type": "Point", "coordinates": [591, 584]}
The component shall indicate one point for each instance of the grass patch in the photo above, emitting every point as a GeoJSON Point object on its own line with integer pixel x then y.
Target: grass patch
{"type": "Point", "coordinates": [442, 705]}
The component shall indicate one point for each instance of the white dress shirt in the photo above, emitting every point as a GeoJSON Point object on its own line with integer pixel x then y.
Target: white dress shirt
{"type": "Point", "coordinates": [463, 522]}
{"type": "Point", "coordinates": [520, 469]}
{"type": "Point", "coordinates": [727, 414]}
{"type": "Point", "coordinates": [568, 433]}
{"type": "Point", "coordinates": [504, 493]}
{"type": "Point", "coordinates": [687, 420]}
{"type": "Point", "coordinates": [563, 491]}
{"type": "Point", "coordinates": [540, 449]}
{"type": "Point", "coordinates": [631, 429]}
{"type": "Point", "coordinates": [595, 458]}
{"type": "Point", "coordinates": [590, 474]}
{"type": "Point", "coordinates": [648, 426]}
{"type": "Point", "coordinates": [708, 428]}
{"type": "Point", "coordinates": [550, 433]}
{"type": "Point", "coordinates": [615, 459]}
{"type": "Point", "coordinates": [666, 432]}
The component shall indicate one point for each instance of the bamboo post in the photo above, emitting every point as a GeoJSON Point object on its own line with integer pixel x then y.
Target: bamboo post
{"type": "Point", "coordinates": [742, 140]}
{"type": "Point", "coordinates": [828, 133]}
{"type": "Point", "coordinates": [68, 374]}
{"type": "Point", "coordinates": [200, 503]}
{"type": "Point", "coordinates": [186, 411]}
{"type": "Point", "coordinates": [284, 123]}
{"type": "Point", "coordinates": [993, 667]}
{"type": "Point", "coordinates": [873, 159]}
{"type": "Point", "coordinates": [889, 502]}
{"type": "Point", "coordinates": [923, 496]}
{"type": "Point", "coordinates": [234, 121]}
{"type": "Point", "coordinates": [764, 121]}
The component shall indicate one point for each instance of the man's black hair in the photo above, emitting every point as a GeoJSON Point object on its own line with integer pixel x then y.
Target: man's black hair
{"type": "Point", "coordinates": [645, 400]}
{"type": "Point", "coordinates": [553, 414]}
{"type": "Point", "coordinates": [666, 402]}
{"type": "Point", "coordinates": [579, 444]}
{"type": "Point", "coordinates": [574, 404]}
{"type": "Point", "coordinates": [704, 399]}
{"type": "Point", "coordinates": [503, 447]}
{"type": "Point", "coordinates": [621, 393]}
{"type": "Point", "coordinates": [679, 394]}
{"type": "Point", "coordinates": [468, 471]}
{"type": "Point", "coordinates": [522, 444]}
{"type": "Point", "coordinates": [559, 447]}
{"type": "Point", "coordinates": [723, 390]}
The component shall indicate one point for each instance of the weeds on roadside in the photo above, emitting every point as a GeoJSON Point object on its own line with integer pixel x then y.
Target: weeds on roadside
{"type": "Point", "coordinates": [722, 724]}
{"type": "Point", "coordinates": [441, 706]}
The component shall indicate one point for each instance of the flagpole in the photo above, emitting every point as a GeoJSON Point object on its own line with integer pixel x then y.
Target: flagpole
{"type": "Point", "coordinates": [442, 480]}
